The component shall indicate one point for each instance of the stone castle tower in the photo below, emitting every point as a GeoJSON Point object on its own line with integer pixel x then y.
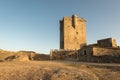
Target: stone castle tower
{"type": "Point", "coordinates": [72, 33]}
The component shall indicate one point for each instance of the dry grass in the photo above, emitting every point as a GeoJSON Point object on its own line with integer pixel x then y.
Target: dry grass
{"type": "Point", "coordinates": [102, 72]}
{"type": "Point", "coordinates": [40, 70]}
{"type": "Point", "coordinates": [49, 70]}
{"type": "Point", "coordinates": [4, 54]}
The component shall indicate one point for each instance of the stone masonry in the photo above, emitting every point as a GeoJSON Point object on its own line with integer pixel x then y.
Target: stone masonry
{"type": "Point", "coordinates": [109, 42]}
{"type": "Point", "coordinates": [72, 33]}
{"type": "Point", "coordinates": [73, 44]}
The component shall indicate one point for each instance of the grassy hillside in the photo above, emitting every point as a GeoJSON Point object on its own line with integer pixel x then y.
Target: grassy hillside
{"type": "Point", "coordinates": [4, 54]}
{"type": "Point", "coordinates": [21, 55]}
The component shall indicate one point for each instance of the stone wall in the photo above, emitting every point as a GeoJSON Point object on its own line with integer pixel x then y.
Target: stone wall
{"type": "Point", "coordinates": [85, 53]}
{"type": "Point", "coordinates": [106, 55]}
{"type": "Point", "coordinates": [72, 33]}
{"type": "Point", "coordinates": [63, 54]}
{"type": "Point", "coordinates": [98, 54]}
{"type": "Point", "coordinates": [109, 42]}
{"type": "Point", "coordinates": [97, 51]}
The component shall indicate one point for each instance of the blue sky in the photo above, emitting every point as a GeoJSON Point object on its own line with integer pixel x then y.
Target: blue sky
{"type": "Point", "coordinates": [34, 24]}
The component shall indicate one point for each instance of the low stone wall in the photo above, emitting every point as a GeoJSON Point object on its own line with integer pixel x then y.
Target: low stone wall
{"type": "Point", "coordinates": [106, 55]}
{"type": "Point", "coordinates": [106, 51]}
{"type": "Point", "coordinates": [106, 59]}
{"type": "Point", "coordinates": [100, 55]}
{"type": "Point", "coordinates": [63, 54]}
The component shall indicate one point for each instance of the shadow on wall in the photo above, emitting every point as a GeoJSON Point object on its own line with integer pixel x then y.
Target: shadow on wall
{"type": "Point", "coordinates": [106, 59]}
{"type": "Point", "coordinates": [82, 45]}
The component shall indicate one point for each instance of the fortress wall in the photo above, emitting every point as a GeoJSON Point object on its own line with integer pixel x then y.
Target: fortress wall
{"type": "Point", "coordinates": [97, 51]}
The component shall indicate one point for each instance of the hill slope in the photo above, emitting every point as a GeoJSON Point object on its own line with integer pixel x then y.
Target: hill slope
{"type": "Point", "coordinates": [21, 56]}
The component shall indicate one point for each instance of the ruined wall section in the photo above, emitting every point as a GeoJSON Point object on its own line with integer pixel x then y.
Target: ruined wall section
{"type": "Point", "coordinates": [114, 44]}
{"type": "Point", "coordinates": [105, 51]}
{"type": "Point", "coordinates": [85, 53]}
{"type": "Point", "coordinates": [63, 54]}
{"type": "Point", "coordinates": [109, 42]}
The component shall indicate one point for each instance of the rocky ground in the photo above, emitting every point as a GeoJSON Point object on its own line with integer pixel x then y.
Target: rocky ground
{"type": "Point", "coordinates": [58, 70]}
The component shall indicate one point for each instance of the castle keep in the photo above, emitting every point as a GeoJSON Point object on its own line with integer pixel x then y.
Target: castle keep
{"type": "Point", "coordinates": [73, 45]}
{"type": "Point", "coordinates": [72, 33]}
